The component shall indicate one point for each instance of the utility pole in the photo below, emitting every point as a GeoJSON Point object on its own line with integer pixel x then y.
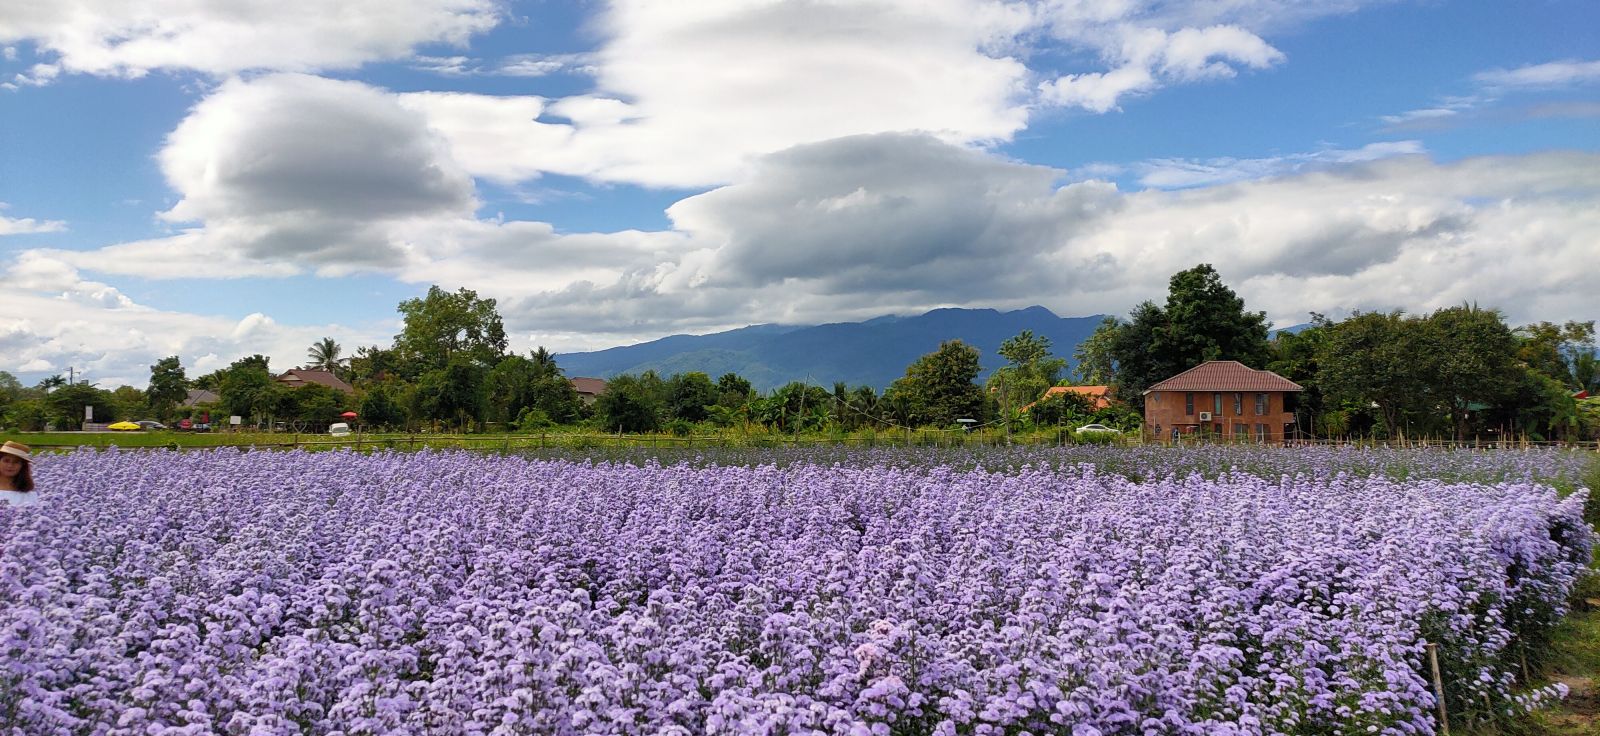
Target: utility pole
{"type": "Point", "coordinates": [69, 375]}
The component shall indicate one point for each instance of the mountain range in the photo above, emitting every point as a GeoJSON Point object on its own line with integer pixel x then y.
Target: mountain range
{"type": "Point", "coordinates": [871, 353]}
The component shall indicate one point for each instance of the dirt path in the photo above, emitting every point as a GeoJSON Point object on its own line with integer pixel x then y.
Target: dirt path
{"type": "Point", "coordinates": [1577, 665]}
{"type": "Point", "coordinates": [1580, 714]}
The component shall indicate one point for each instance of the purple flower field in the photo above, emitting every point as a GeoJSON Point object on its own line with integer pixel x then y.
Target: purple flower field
{"type": "Point", "coordinates": [233, 592]}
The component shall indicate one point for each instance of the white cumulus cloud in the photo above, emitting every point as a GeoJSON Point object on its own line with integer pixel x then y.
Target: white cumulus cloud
{"type": "Point", "coordinates": [687, 94]}
{"type": "Point", "coordinates": [1145, 59]}
{"type": "Point", "coordinates": [131, 38]}
{"type": "Point", "coordinates": [28, 225]}
{"type": "Point", "coordinates": [1553, 74]}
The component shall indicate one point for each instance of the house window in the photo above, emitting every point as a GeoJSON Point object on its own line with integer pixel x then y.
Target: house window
{"type": "Point", "coordinates": [1216, 405]}
{"type": "Point", "coordinates": [1261, 404]}
{"type": "Point", "coordinates": [1261, 433]}
{"type": "Point", "coordinates": [1241, 432]}
{"type": "Point", "coordinates": [1188, 403]}
{"type": "Point", "coordinates": [1238, 404]}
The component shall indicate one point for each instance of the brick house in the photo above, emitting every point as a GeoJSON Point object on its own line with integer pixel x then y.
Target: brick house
{"type": "Point", "coordinates": [1225, 399]}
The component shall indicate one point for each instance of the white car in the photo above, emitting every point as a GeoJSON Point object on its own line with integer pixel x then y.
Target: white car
{"type": "Point", "coordinates": [1098, 428]}
{"type": "Point", "coordinates": [339, 429]}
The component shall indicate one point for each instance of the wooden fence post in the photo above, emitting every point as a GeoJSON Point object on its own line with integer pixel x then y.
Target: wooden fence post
{"type": "Point", "coordinates": [1438, 688]}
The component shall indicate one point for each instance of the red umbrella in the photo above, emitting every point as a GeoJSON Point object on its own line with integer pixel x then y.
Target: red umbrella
{"type": "Point", "coordinates": [348, 415]}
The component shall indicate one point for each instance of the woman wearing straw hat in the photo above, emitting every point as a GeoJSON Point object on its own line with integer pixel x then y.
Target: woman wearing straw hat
{"type": "Point", "coordinates": [16, 475]}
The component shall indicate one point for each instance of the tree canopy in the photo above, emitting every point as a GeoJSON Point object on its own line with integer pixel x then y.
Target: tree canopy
{"type": "Point", "coordinates": [938, 388]}
{"type": "Point", "coordinates": [1029, 371]}
{"type": "Point", "coordinates": [168, 388]}
{"type": "Point", "coordinates": [444, 325]}
{"type": "Point", "coordinates": [1202, 320]}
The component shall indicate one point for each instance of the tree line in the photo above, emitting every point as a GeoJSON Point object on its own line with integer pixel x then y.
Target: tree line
{"type": "Point", "coordinates": [1460, 371]}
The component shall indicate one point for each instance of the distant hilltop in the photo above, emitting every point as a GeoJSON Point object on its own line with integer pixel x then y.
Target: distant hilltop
{"type": "Point", "coordinates": [871, 353]}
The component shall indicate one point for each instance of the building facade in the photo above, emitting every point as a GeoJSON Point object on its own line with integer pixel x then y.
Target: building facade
{"type": "Point", "coordinates": [1223, 400]}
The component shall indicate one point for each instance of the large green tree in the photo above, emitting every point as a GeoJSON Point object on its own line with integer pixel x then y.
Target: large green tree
{"type": "Point", "coordinates": [1202, 320]}
{"type": "Point", "coordinates": [938, 388]}
{"type": "Point", "coordinates": [455, 394]}
{"type": "Point", "coordinates": [246, 387]}
{"type": "Point", "coordinates": [1471, 358]}
{"type": "Point", "coordinates": [128, 402]}
{"type": "Point", "coordinates": [314, 404]}
{"type": "Point", "coordinates": [517, 384]}
{"type": "Point", "coordinates": [631, 404]}
{"type": "Point", "coordinates": [65, 405]}
{"type": "Point", "coordinates": [1207, 321]}
{"type": "Point", "coordinates": [1029, 371]}
{"type": "Point", "coordinates": [11, 391]}
{"type": "Point", "coordinates": [168, 387]}
{"type": "Point", "coordinates": [374, 364]}
{"type": "Point", "coordinates": [381, 405]}
{"type": "Point", "coordinates": [1135, 348]}
{"type": "Point", "coordinates": [689, 396]}
{"type": "Point", "coordinates": [1372, 360]}
{"type": "Point", "coordinates": [1097, 360]}
{"type": "Point", "coordinates": [444, 325]}
{"type": "Point", "coordinates": [1295, 356]}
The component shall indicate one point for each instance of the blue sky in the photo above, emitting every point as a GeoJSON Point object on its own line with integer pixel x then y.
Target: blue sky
{"type": "Point", "coordinates": [211, 182]}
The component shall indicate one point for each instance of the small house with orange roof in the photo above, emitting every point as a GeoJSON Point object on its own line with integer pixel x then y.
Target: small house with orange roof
{"type": "Point", "coordinates": [1099, 396]}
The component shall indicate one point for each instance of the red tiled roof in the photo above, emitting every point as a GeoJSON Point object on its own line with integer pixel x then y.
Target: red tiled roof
{"type": "Point", "coordinates": [590, 386]}
{"type": "Point", "coordinates": [1225, 375]}
{"type": "Point", "coordinates": [1099, 396]}
{"type": "Point", "coordinates": [297, 377]}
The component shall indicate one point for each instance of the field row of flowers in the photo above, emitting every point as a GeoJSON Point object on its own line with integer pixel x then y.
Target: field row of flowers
{"type": "Point", "coordinates": [263, 593]}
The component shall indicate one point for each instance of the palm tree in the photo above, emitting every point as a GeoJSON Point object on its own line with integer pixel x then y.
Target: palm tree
{"type": "Point", "coordinates": [324, 355]}
{"type": "Point", "coordinates": [543, 359]}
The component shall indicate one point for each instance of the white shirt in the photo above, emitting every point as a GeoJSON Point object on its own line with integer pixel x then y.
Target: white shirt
{"type": "Point", "coordinates": [19, 498]}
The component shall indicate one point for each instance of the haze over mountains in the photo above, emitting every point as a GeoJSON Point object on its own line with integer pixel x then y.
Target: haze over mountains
{"type": "Point", "coordinates": [872, 353]}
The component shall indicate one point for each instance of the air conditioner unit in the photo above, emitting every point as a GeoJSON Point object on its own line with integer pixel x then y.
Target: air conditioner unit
{"type": "Point", "coordinates": [1205, 416]}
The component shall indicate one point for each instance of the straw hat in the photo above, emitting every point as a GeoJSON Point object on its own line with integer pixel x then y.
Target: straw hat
{"type": "Point", "coordinates": [16, 448]}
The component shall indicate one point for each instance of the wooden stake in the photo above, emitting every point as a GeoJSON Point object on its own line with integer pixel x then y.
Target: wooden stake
{"type": "Point", "coordinates": [1438, 688]}
{"type": "Point", "coordinates": [1522, 653]}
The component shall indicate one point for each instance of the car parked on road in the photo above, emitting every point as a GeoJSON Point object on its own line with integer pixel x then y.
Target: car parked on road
{"type": "Point", "coordinates": [1098, 428]}
{"type": "Point", "coordinates": [150, 424]}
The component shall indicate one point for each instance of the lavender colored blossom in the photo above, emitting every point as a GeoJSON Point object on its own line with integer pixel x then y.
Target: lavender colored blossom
{"type": "Point", "coordinates": [1151, 592]}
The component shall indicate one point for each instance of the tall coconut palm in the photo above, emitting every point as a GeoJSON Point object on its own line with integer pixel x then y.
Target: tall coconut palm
{"type": "Point", "coordinates": [543, 359]}
{"type": "Point", "coordinates": [324, 355]}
